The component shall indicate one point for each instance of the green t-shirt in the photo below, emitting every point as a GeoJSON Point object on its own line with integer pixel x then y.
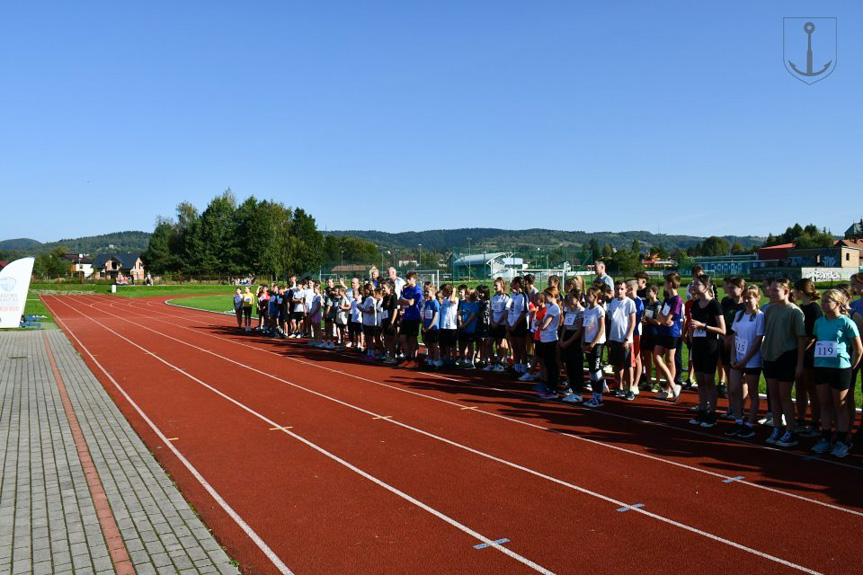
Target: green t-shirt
{"type": "Point", "coordinates": [783, 324]}
{"type": "Point", "coordinates": [833, 341]}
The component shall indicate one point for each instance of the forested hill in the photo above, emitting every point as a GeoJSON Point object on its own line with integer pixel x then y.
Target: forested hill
{"type": "Point", "coordinates": [114, 242]}
{"type": "Point", "coordinates": [494, 238]}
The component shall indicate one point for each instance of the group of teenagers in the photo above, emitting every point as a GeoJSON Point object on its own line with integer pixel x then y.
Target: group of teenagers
{"type": "Point", "coordinates": [806, 344]}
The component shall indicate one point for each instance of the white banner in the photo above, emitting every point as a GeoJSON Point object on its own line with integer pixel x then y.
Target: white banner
{"type": "Point", "coordinates": [14, 285]}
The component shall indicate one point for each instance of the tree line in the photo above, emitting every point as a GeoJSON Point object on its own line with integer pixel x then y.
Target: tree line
{"type": "Point", "coordinates": [254, 237]}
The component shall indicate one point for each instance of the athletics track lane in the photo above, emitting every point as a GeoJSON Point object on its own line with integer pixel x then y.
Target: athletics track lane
{"type": "Point", "coordinates": [526, 488]}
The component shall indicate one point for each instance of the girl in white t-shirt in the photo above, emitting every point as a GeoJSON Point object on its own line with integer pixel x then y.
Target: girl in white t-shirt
{"type": "Point", "coordinates": [594, 342]}
{"type": "Point", "coordinates": [746, 363]}
{"type": "Point", "coordinates": [448, 325]}
{"type": "Point", "coordinates": [500, 303]}
{"type": "Point", "coordinates": [547, 344]}
{"type": "Point", "coordinates": [516, 330]}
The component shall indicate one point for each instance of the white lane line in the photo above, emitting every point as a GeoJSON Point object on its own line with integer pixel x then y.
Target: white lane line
{"type": "Point", "coordinates": [337, 459]}
{"type": "Point", "coordinates": [502, 461]}
{"type": "Point", "coordinates": [527, 423]}
{"type": "Point", "coordinates": [265, 549]}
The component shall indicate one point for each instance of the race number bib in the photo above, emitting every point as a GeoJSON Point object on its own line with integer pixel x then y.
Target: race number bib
{"type": "Point", "coordinates": [648, 313]}
{"type": "Point", "coordinates": [742, 346]}
{"type": "Point", "coordinates": [569, 319]}
{"type": "Point", "coordinates": [700, 332]}
{"type": "Point", "coordinates": [497, 306]}
{"type": "Point", "coordinates": [826, 349]}
{"type": "Point", "coordinates": [665, 309]}
{"type": "Point", "coordinates": [429, 313]}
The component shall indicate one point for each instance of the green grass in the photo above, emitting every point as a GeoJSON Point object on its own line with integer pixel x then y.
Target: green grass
{"type": "Point", "coordinates": [219, 303]}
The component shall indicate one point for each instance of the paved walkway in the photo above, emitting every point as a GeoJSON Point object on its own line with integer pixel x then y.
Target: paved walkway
{"type": "Point", "coordinates": [101, 505]}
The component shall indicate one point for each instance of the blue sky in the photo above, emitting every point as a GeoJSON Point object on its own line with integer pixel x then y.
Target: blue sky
{"type": "Point", "coordinates": [671, 116]}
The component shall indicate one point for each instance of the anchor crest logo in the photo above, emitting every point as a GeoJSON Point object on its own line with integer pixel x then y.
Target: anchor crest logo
{"type": "Point", "coordinates": [809, 48]}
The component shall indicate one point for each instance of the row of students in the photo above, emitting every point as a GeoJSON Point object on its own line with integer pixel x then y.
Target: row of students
{"type": "Point", "coordinates": [731, 337]}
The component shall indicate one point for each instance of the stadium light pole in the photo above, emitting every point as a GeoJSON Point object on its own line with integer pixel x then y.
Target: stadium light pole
{"type": "Point", "coordinates": [420, 265]}
{"type": "Point", "coordinates": [468, 259]}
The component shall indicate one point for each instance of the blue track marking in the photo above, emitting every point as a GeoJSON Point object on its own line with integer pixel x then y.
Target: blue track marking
{"type": "Point", "coordinates": [498, 542]}
{"type": "Point", "coordinates": [630, 507]}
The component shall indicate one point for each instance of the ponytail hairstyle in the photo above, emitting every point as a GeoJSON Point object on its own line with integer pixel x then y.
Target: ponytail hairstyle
{"type": "Point", "coordinates": [517, 283]}
{"type": "Point", "coordinates": [673, 279]}
{"type": "Point", "coordinates": [838, 296]}
{"type": "Point", "coordinates": [596, 293]}
{"type": "Point", "coordinates": [807, 287]}
{"type": "Point", "coordinates": [785, 284]}
{"type": "Point", "coordinates": [754, 290]}
{"type": "Point", "coordinates": [705, 280]}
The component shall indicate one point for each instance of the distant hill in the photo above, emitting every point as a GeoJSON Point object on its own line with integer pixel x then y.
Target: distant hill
{"type": "Point", "coordinates": [498, 239]}
{"type": "Point", "coordinates": [114, 242]}
{"type": "Point", "coordinates": [21, 244]}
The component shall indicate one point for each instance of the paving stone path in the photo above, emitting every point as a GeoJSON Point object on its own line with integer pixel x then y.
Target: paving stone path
{"type": "Point", "coordinates": [49, 522]}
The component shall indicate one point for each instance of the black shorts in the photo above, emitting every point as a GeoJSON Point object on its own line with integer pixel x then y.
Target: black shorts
{"type": "Point", "coordinates": [410, 327]}
{"type": "Point", "coordinates": [647, 342]}
{"type": "Point", "coordinates": [784, 368]}
{"type": "Point", "coordinates": [519, 329]}
{"type": "Point", "coordinates": [618, 355]}
{"type": "Point", "coordinates": [481, 332]}
{"type": "Point", "coordinates": [430, 336]}
{"type": "Point", "coordinates": [371, 330]}
{"type": "Point", "coordinates": [448, 337]}
{"type": "Point", "coordinates": [809, 358]}
{"type": "Point", "coordinates": [498, 331]}
{"type": "Point", "coordinates": [725, 354]}
{"type": "Point", "coordinates": [836, 377]}
{"type": "Point", "coordinates": [756, 371]}
{"type": "Point", "coordinates": [465, 338]}
{"type": "Point", "coordinates": [297, 316]}
{"type": "Point", "coordinates": [355, 327]}
{"type": "Point", "coordinates": [705, 354]}
{"type": "Point", "coordinates": [665, 341]}
{"type": "Point", "coordinates": [387, 327]}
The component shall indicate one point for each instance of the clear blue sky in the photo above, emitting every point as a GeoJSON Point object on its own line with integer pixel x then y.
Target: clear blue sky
{"type": "Point", "coordinates": [671, 116]}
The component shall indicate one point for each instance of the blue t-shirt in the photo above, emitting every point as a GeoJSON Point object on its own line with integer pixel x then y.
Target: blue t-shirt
{"type": "Point", "coordinates": [856, 307]}
{"type": "Point", "coordinates": [672, 306]}
{"type": "Point", "coordinates": [431, 308]}
{"type": "Point", "coordinates": [833, 341]}
{"type": "Point", "coordinates": [639, 314]}
{"type": "Point", "coordinates": [412, 312]}
{"type": "Point", "coordinates": [467, 309]}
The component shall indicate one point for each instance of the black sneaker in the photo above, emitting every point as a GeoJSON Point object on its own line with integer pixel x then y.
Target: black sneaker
{"type": "Point", "coordinates": [722, 390]}
{"type": "Point", "coordinates": [746, 431]}
{"type": "Point", "coordinates": [734, 430]}
{"type": "Point", "coordinates": [698, 419]}
{"type": "Point", "coordinates": [709, 420]}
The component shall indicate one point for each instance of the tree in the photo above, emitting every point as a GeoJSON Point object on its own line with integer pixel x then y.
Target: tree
{"type": "Point", "coordinates": [52, 264]}
{"type": "Point", "coordinates": [636, 247]}
{"type": "Point", "coordinates": [715, 246]}
{"type": "Point", "coordinates": [160, 256]}
{"type": "Point", "coordinates": [306, 251]}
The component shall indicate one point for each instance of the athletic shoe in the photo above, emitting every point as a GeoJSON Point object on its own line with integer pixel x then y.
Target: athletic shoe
{"type": "Point", "coordinates": [547, 395]}
{"type": "Point", "coordinates": [595, 401]}
{"type": "Point", "coordinates": [489, 367]}
{"type": "Point", "coordinates": [467, 365]}
{"type": "Point", "coordinates": [746, 431]}
{"type": "Point", "coordinates": [732, 431]}
{"type": "Point", "coordinates": [722, 390]}
{"type": "Point", "coordinates": [331, 345]}
{"type": "Point", "coordinates": [839, 450]}
{"type": "Point", "coordinates": [775, 436]}
{"type": "Point", "coordinates": [698, 419]}
{"type": "Point", "coordinates": [629, 396]}
{"type": "Point", "coordinates": [645, 386]}
{"type": "Point", "coordinates": [675, 393]}
{"type": "Point", "coordinates": [539, 386]}
{"type": "Point", "coordinates": [588, 388]}
{"type": "Point", "coordinates": [810, 432]}
{"type": "Point", "coordinates": [526, 377]}
{"type": "Point", "coordinates": [686, 384]}
{"type": "Point", "coordinates": [499, 368]}
{"type": "Point", "coordinates": [768, 420]}
{"type": "Point", "coordinates": [709, 420]}
{"type": "Point", "coordinates": [662, 394]}
{"type": "Point", "coordinates": [619, 393]}
{"type": "Point", "coordinates": [787, 440]}
{"type": "Point", "coordinates": [729, 416]}
{"type": "Point", "coordinates": [573, 398]}
{"type": "Point", "coordinates": [823, 446]}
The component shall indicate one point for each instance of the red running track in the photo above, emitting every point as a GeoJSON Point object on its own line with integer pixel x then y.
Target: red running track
{"type": "Point", "coordinates": [308, 461]}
